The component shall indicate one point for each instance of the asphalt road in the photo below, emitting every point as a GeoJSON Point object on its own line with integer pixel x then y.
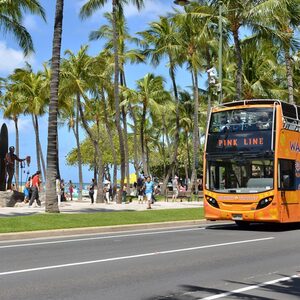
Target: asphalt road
{"type": "Point", "coordinates": [204, 262]}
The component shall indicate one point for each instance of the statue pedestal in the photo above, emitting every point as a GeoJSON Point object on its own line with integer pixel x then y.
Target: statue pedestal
{"type": "Point", "coordinates": [10, 198]}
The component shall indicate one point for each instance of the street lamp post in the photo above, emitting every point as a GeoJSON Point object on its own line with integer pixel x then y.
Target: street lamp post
{"type": "Point", "coordinates": [220, 51]}
{"type": "Point", "coordinates": [181, 2]}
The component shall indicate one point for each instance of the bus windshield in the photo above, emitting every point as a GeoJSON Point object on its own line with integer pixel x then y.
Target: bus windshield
{"type": "Point", "coordinates": [240, 176]}
{"type": "Point", "coordinates": [237, 120]}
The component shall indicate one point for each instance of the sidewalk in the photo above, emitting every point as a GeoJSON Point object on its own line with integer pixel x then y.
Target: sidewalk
{"type": "Point", "coordinates": [84, 206]}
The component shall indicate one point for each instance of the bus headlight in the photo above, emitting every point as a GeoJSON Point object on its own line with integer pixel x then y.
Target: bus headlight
{"type": "Point", "coordinates": [212, 201]}
{"type": "Point", "coordinates": [264, 202]}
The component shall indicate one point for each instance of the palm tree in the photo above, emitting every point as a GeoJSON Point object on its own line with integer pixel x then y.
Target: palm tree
{"type": "Point", "coordinates": [117, 10]}
{"type": "Point", "coordinates": [52, 155]}
{"type": "Point", "coordinates": [69, 113]}
{"type": "Point", "coordinates": [35, 88]}
{"type": "Point", "coordinates": [163, 36]}
{"type": "Point", "coordinates": [11, 16]}
{"type": "Point", "coordinates": [13, 105]}
{"type": "Point", "coordinates": [125, 55]}
{"type": "Point", "coordinates": [78, 76]}
{"type": "Point", "coordinates": [278, 25]}
{"type": "Point", "coordinates": [151, 94]}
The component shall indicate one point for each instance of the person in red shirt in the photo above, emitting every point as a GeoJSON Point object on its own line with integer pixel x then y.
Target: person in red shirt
{"type": "Point", "coordinates": [35, 187]}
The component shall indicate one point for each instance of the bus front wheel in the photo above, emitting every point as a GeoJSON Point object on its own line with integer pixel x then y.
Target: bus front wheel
{"type": "Point", "coordinates": [242, 224]}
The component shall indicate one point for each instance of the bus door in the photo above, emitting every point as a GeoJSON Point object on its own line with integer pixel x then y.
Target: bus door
{"type": "Point", "coordinates": [289, 190]}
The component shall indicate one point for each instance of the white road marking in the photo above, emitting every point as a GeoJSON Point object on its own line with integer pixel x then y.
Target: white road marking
{"type": "Point", "coordinates": [98, 238]}
{"type": "Point", "coordinates": [133, 256]}
{"type": "Point", "coordinates": [249, 288]}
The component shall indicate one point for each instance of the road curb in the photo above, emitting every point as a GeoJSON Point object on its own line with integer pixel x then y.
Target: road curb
{"type": "Point", "coordinates": [94, 230]}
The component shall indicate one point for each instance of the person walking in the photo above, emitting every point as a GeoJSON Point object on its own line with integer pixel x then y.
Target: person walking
{"type": "Point", "coordinates": [175, 188]}
{"type": "Point", "coordinates": [92, 190]}
{"type": "Point", "coordinates": [36, 187]}
{"type": "Point", "coordinates": [62, 190]}
{"type": "Point", "coordinates": [71, 189]}
{"type": "Point", "coordinates": [27, 190]}
{"type": "Point", "coordinates": [149, 188]}
{"type": "Point", "coordinates": [58, 190]}
{"type": "Point", "coordinates": [140, 189]}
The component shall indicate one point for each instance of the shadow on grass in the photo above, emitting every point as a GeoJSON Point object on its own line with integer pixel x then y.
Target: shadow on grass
{"type": "Point", "coordinates": [280, 290]}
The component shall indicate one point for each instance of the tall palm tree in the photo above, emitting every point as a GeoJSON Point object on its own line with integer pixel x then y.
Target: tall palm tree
{"type": "Point", "coordinates": [117, 9]}
{"type": "Point", "coordinates": [13, 105]}
{"type": "Point", "coordinates": [151, 94]}
{"type": "Point", "coordinates": [79, 78]}
{"type": "Point", "coordinates": [35, 88]}
{"type": "Point", "coordinates": [11, 16]}
{"type": "Point", "coordinates": [162, 40]}
{"type": "Point", "coordinates": [279, 26]}
{"type": "Point", "coordinates": [69, 114]}
{"type": "Point", "coordinates": [106, 32]}
{"type": "Point", "coordinates": [52, 155]}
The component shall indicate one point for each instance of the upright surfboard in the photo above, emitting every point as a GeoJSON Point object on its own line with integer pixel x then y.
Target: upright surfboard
{"type": "Point", "coordinates": [3, 151]}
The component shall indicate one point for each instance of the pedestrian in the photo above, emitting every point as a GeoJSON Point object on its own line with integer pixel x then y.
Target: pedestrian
{"type": "Point", "coordinates": [140, 189]}
{"type": "Point", "coordinates": [58, 190]}
{"type": "Point", "coordinates": [149, 188]}
{"type": "Point", "coordinates": [175, 188]}
{"type": "Point", "coordinates": [92, 190]}
{"type": "Point", "coordinates": [27, 190]}
{"type": "Point", "coordinates": [71, 189]}
{"type": "Point", "coordinates": [36, 187]}
{"type": "Point", "coordinates": [62, 190]}
{"type": "Point", "coordinates": [107, 189]}
{"type": "Point", "coordinates": [10, 159]}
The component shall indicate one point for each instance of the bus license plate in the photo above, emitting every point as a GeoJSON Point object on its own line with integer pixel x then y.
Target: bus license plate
{"type": "Point", "coordinates": [237, 217]}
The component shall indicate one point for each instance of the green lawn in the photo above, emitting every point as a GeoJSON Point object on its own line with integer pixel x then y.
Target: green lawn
{"type": "Point", "coordinates": [62, 221]}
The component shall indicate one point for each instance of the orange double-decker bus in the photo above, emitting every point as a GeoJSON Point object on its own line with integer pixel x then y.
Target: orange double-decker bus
{"type": "Point", "coordinates": [252, 162]}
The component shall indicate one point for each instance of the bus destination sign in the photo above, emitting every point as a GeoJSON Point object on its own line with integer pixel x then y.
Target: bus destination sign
{"type": "Point", "coordinates": [242, 141]}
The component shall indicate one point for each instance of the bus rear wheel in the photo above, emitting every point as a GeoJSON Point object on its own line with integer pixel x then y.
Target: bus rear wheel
{"type": "Point", "coordinates": [242, 224]}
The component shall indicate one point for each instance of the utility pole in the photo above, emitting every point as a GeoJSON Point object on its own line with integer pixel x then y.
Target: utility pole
{"type": "Point", "coordinates": [220, 51]}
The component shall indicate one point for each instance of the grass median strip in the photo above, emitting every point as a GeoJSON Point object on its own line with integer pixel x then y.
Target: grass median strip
{"type": "Point", "coordinates": [64, 221]}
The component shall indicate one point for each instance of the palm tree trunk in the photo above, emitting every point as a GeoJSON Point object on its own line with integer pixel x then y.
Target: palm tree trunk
{"type": "Point", "coordinates": [100, 198]}
{"type": "Point", "coordinates": [124, 118]}
{"type": "Point", "coordinates": [195, 131]}
{"type": "Point", "coordinates": [239, 60]}
{"type": "Point", "coordinates": [57, 163]}
{"type": "Point", "coordinates": [135, 141]}
{"type": "Point", "coordinates": [40, 147]}
{"type": "Point", "coordinates": [51, 197]}
{"type": "Point", "coordinates": [117, 96]}
{"type": "Point", "coordinates": [79, 158]}
{"type": "Point", "coordinates": [37, 147]}
{"type": "Point", "coordinates": [142, 137]}
{"type": "Point", "coordinates": [289, 75]}
{"type": "Point", "coordinates": [111, 143]}
{"type": "Point", "coordinates": [17, 153]}
{"type": "Point", "coordinates": [188, 151]}
{"type": "Point", "coordinates": [176, 141]}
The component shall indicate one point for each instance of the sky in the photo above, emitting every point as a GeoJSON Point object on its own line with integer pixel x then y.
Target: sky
{"type": "Point", "coordinates": [75, 34]}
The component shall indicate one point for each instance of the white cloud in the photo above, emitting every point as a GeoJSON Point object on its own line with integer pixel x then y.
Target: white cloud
{"type": "Point", "coordinates": [11, 59]}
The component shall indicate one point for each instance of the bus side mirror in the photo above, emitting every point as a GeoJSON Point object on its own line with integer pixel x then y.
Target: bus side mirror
{"type": "Point", "coordinates": [286, 182]}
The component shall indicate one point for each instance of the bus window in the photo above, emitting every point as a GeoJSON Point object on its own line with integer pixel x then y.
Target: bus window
{"type": "Point", "coordinates": [286, 174]}
{"type": "Point", "coordinates": [242, 176]}
{"type": "Point", "coordinates": [251, 119]}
